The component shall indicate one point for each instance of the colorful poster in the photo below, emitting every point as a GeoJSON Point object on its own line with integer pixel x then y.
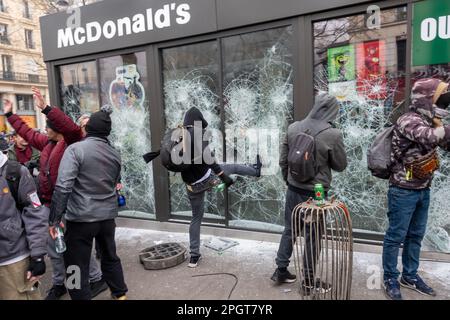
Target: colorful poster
{"type": "Point", "coordinates": [341, 63]}
{"type": "Point", "coordinates": [127, 90]}
{"type": "Point", "coordinates": [29, 120]}
{"type": "Point", "coordinates": [371, 69]}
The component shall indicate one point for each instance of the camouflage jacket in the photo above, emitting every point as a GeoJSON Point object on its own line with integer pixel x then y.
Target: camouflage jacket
{"type": "Point", "coordinates": [415, 136]}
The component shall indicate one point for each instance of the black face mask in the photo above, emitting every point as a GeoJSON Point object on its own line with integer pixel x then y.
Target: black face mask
{"type": "Point", "coordinates": [444, 100]}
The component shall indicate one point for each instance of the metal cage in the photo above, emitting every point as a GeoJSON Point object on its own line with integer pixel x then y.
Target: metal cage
{"type": "Point", "coordinates": [323, 250]}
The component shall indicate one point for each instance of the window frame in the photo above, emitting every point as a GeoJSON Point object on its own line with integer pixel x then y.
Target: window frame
{"type": "Point", "coordinates": [29, 43]}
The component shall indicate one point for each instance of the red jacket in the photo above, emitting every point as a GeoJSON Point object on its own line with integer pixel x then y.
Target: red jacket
{"type": "Point", "coordinates": [51, 152]}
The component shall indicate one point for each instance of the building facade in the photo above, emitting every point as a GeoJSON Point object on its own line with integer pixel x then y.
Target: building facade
{"type": "Point", "coordinates": [252, 67]}
{"type": "Point", "coordinates": [22, 65]}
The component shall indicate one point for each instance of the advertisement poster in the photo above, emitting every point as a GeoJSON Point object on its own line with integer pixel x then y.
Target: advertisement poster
{"type": "Point", "coordinates": [29, 120]}
{"type": "Point", "coordinates": [371, 66]}
{"type": "Point", "coordinates": [341, 63]}
{"type": "Point", "coordinates": [127, 90]}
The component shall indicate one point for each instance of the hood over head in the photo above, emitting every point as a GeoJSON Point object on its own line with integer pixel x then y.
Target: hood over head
{"type": "Point", "coordinates": [193, 115]}
{"type": "Point", "coordinates": [425, 94]}
{"type": "Point", "coordinates": [326, 108]}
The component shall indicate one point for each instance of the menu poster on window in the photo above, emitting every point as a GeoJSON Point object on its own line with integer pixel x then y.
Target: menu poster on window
{"type": "Point", "coordinates": [29, 120]}
{"type": "Point", "coordinates": [341, 63]}
{"type": "Point", "coordinates": [370, 62]}
{"type": "Point", "coordinates": [343, 91]}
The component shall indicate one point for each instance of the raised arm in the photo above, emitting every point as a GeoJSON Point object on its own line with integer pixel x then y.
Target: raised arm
{"type": "Point", "coordinates": [63, 124]}
{"type": "Point", "coordinates": [34, 138]}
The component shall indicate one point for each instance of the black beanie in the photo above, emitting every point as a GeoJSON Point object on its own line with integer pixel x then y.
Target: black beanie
{"type": "Point", "coordinates": [99, 123]}
{"type": "Point", "coordinates": [51, 126]}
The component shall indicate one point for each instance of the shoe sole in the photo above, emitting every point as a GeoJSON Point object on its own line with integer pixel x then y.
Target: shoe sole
{"type": "Point", "coordinates": [407, 286]}
{"type": "Point", "coordinates": [285, 281]}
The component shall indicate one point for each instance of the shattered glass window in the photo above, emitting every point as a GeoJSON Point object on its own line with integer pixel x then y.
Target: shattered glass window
{"type": "Point", "coordinates": [124, 86]}
{"type": "Point", "coordinates": [365, 69]}
{"type": "Point", "coordinates": [190, 75]}
{"type": "Point", "coordinates": [79, 88]}
{"type": "Point", "coordinates": [258, 96]}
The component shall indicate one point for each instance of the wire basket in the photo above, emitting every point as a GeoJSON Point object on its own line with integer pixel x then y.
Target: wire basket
{"type": "Point", "coordinates": [323, 250]}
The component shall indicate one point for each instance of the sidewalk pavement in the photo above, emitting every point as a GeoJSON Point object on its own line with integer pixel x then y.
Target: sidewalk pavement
{"type": "Point", "coordinates": [253, 264]}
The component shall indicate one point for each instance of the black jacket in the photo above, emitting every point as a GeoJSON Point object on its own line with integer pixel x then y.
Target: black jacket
{"type": "Point", "coordinates": [194, 121]}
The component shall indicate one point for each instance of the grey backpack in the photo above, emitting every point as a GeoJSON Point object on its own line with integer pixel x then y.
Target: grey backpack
{"type": "Point", "coordinates": [379, 154]}
{"type": "Point", "coordinates": [302, 154]}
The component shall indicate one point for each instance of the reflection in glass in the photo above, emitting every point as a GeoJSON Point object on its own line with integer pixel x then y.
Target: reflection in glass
{"type": "Point", "coordinates": [79, 88]}
{"type": "Point", "coordinates": [123, 87]}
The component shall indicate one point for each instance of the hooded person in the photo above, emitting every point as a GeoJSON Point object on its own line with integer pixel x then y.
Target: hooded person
{"type": "Point", "coordinates": [202, 174]}
{"type": "Point", "coordinates": [85, 193]}
{"type": "Point", "coordinates": [417, 136]}
{"type": "Point", "coordinates": [329, 155]}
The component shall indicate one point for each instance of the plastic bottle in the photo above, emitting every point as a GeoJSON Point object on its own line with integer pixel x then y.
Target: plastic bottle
{"type": "Point", "coordinates": [221, 186]}
{"type": "Point", "coordinates": [121, 199]}
{"type": "Point", "coordinates": [60, 244]}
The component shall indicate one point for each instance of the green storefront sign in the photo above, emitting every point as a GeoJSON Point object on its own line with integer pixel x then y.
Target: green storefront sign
{"type": "Point", "coordinates": [431, 32]}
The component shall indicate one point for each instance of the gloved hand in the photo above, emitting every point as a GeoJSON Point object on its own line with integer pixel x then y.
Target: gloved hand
{"type": "Point", "coordinates": [226, 179]}
{"type": "Point", "coordinates": [36, 267]}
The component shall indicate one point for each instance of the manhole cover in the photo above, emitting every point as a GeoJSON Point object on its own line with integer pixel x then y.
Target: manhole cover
{"type": "Point", "coordinates": [162, 256]}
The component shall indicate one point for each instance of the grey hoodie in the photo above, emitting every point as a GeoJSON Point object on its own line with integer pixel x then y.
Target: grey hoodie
{"type": "Point", "coordinates": [26, 232]}
{"type": "Point", "coordinates": [330, 151]}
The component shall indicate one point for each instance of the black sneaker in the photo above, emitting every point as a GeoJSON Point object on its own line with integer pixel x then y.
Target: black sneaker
{"type": "Point", "coordinates": [98, 287]}
{"type": "Point", "coordinates": [392, 289]}
{"type": "Point", "coordinates": [56, 292]}
{"type": "Point", "coordinates": [320, 287]}
{"type": "Point", "coordinates": [193, 262]}
{"type": "Point", "coordinates": [417, 284]}
{"type": "Point", "coordinates": [283, 277]}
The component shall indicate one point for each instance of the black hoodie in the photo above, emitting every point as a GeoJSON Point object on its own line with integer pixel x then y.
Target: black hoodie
{"type": "Point", "coordinates": [192, 118]}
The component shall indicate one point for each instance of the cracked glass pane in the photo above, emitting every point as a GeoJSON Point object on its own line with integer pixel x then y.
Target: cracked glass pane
{"type": "Point", "coordinates": [124, 81]}
{"type": "Point", "coordinates": [79, 89]}
{"type": "Point", "coordinates": [190, 76]}
{"type": "Point", "coordinates": [365, 69]}
{"type": "Point", "coordinates": [258, 101]}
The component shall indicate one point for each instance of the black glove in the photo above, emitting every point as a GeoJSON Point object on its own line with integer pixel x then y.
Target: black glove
{"type": "Point", "coordinates": [226, 179]}
{"type": "Point", "coordinates": [37, 266]}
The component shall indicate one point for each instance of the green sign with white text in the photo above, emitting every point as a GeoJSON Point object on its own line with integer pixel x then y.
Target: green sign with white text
{"type": "Point", "coordinates": [431, 32]}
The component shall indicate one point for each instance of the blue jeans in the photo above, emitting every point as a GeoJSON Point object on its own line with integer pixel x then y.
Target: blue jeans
{"type": "Point", "coordinates": [408, 214]}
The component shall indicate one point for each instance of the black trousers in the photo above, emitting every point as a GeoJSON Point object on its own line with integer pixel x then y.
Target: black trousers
{"type": "Point", "coordinates": [79, 237]}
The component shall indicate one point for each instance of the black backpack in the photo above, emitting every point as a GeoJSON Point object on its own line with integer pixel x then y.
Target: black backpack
{"type": "Point", "coordinates": [13, 179]}
{"type": "Point", "coordinates": [302, 154]}
{"type": "Point", "coordinates": [172, 148]}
